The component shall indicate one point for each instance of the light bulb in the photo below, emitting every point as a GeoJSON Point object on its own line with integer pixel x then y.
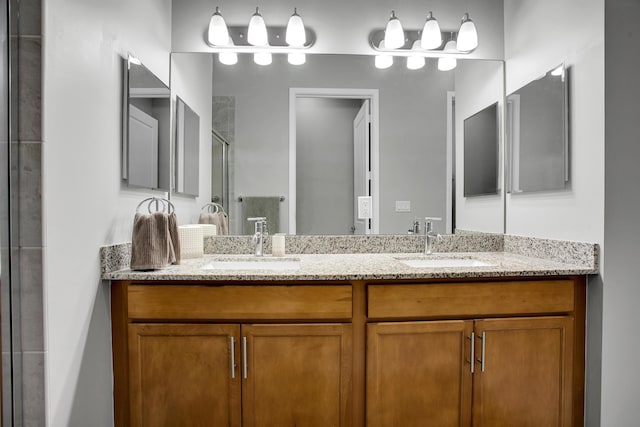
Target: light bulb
{"type": "Point", "coordinates": [448, 63]}
{"type": "Point", "coordinates": [467, 35]}
{"type": "Point", "coordinates": [228, 57]}
{"type": "Point", "coordinates": [431, 35]}
{"type": "Point", "coordinates": [218, 33]}
{"type": "Point", "coordinates": [262, 58]}
{"type": "Point", "coordinates": [384, 60]}
{"type": "Point", "coordinates": [257, 32]}
{"type": "Point", "coordinates": [295, 34]}
{"type": "Point", "coordinates": [394, 34]}
{"type": "Point", "coordinates": [415, 62]}
{"type": "Point", "coordinates": [297, 58]}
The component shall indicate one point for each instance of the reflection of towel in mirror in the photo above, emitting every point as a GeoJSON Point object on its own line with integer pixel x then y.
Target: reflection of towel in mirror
{"type": "Point", "coordinates": [154, 241]}
{"type": "Point", "coordinates": [218, 218]}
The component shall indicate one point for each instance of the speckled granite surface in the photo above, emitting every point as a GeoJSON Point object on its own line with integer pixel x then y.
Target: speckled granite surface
{"type": "Point", "coordinates": [369, 258]}
{"type": "Point", "coordinates": [313, 267]}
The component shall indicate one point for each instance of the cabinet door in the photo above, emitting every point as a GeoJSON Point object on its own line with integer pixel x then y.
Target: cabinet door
{"type": "Point", "coordinates": [419, 374]}
{"type": "Point", "coordinates": [527, 378]}
{"type": "Point", "coordinates": [297, 375]}
{"type": "Point", "coordinates": [181, 375]}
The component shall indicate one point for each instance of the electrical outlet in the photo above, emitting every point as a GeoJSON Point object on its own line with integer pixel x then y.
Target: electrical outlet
{"type": "Point", "coordinates": [403, 206]}
{"type": "Point", "coordinates": [364, 207]}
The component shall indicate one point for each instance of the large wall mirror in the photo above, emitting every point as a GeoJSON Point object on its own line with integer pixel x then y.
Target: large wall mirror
{"type": "Point", "coordinates": [538, 123]}
{"type": "Point", "coordinates": [411, 164]}
{"type": "Point", "coordinates": [146, 141]}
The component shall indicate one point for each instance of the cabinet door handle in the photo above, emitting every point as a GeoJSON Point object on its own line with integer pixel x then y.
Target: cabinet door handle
{"type": "Point", "coordinates": [244, 357]}
{"type": "Point", "coordinates": [481, 360]}
{"type": "Point", "coordinates": [472, 361]}
{"type": "Point", "coordinates": [233, 358]}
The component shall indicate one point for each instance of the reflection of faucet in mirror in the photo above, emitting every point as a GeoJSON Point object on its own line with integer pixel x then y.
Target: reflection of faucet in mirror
{"type": "Point", "coordinates": [260, 234]}
{"type": "Point", "coordinates": [430, 235]}
{"type": "Point", "coordinates": [415, 227]}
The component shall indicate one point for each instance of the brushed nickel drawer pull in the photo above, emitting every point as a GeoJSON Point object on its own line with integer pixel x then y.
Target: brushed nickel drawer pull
{"type": "Point", "coordinates": [233, 358]}
{"type": "Point", "coordinates": [481, 360]}
{"type": "Point", "coordinates": [244, 357]}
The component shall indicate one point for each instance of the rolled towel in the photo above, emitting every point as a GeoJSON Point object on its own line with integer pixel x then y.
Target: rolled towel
{"type": "Point", "coordinates": [151, 242]}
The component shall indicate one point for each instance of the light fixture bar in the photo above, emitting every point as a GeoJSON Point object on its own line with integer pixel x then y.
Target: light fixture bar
{"type": "Point", "coordinates": [277, 42]}
{"type": "Point", "coordinates": [376, 37]}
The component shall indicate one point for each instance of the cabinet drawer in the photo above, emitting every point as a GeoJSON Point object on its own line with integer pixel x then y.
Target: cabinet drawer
{"type": "Point", "coordinates": [470, 299]}
{"type": "Point", "coordinates": [189, 302]}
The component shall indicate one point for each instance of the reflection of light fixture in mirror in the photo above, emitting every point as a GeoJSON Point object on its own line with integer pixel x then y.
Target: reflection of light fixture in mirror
{"type": "Point", "coordinates": [228, 57]}
{"type": "Point", "coordinates": [467, 35]}
{"type": "Point", "coordinates": [559, 71]}
{"type": "Point", "coordinates": [257, 32]}
{"type": "Point", "coordinates": [431, 35]}
{"type": "Point", "coordinates": [262, 58]}
{"type": "Point", "coordinates": [133, 60]}
{"type": "Point", "coordinates": [295, 34]}
{"type": "Point", "coordinates": [383, 60]}
{"type": "Point", "coordinates": [415, 62]}
{"type": "Point", "coordinates": [218, 33]}
{"type": "Point", "coordinates": [393, 34]}
{"type": "Point", "coordinates": [448, 63]}
{"type": "Point", "coordinates": [297, 58]}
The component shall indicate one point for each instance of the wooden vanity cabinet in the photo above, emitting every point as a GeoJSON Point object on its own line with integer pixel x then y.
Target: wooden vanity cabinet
{"type": "Point", "coordinates": [171, 370]}
{"type": "Point", "coordinates": [507, 364]}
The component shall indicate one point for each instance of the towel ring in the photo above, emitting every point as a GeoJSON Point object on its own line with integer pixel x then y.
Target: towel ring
{"type": "Point", "coordinates": [213, 208]}
{"type": "Point", "coordinates": [161, 205]}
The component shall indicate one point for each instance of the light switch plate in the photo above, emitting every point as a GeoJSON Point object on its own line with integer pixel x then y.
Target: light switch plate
{"type": "Point", "coordinates": [403, 205]}
{"type": "Point", "coordinates": [364, 207]}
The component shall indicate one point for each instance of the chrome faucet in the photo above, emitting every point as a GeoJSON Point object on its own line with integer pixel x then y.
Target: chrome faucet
{"type": "Point", "coordinates": [260, 233]}
{"type": "Point", "coordinates": [415, 227]}
{"type": "Point", "coordinates": [430, 236]}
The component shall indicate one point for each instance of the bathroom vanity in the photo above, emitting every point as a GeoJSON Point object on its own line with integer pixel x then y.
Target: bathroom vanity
{"type": "Point", "coordinates": [351, 340]}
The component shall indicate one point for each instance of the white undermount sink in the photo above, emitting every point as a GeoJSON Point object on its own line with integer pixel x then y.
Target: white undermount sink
{"type": "Point", "coordinates": [253, 264]}
{"type": "Point", "coordinates": [444, 262]}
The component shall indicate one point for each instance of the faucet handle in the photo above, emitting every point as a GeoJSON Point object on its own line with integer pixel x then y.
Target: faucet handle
{"type": "Point", "coordinates": [432, 218]}
{"type": "Point", "coordinates": [428, 223]}
{"type": "Point", "coordinates": [257, 218]}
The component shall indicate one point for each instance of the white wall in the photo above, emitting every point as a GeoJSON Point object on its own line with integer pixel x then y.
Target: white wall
{"type": "Point", "coordinates": [620, 345]}
{"type": "Point", "coordinates": [85, 205]}
{"type": "Point", "coordinates": [191, 81]}
{"type": "Point", "coordinates": [478, 85]}
{"type": "Point", "coordinates": [539, 35]}
{"type": "Point", "coordinates": [341, 26]}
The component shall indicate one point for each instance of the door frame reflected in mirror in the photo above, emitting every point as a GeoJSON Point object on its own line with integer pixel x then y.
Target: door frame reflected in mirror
{"type": "Point", "coordinates": [373, 96]}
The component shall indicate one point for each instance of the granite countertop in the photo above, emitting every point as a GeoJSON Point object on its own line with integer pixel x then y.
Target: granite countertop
{"type": "Point", "coordinates": [359, 266]}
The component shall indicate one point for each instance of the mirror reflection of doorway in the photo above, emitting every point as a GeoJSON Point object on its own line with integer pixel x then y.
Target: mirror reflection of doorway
{"type": "Point", "coordinates": [333, 146]}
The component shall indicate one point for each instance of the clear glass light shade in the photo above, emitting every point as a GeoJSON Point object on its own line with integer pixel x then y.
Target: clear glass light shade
{"type": "Point", "coordinates": [262, 58]}
{"type": "Point", "coordinates": [431, 34]}
{"type": "Point", "coordinates": [257, 32]}
{"type": "Point", "coordinates": [467, 35]}
{"type": "Point", "coordinates": [295, 35]}
{"type": "Point", "coordinates": [297, 58]}
{"type": "Point", "coordinates": [384, 60]}
{"type": "Point", "coordinates": [394, 34]}
{"type": "Point", "coordinates": [415, 62]}
{"type": "Point", "coordinates": [448, 63]}
{"type": "Point", "coordinates": [218, 34]}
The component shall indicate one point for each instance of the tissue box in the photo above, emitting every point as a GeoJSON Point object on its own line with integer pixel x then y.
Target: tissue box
{"type": "Point", "coordinates": [191, 241]}
{"type": "Point", "coordinates": [209, 229]}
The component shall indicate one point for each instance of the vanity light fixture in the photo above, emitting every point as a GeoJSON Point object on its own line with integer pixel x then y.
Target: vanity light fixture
{"type": "Point", "coordinates": [257, 31]}
{"type": "Point", "coordinates": [259, 40]}
{"type": "Point", "coordinates": [228, 57]}
{"type": "Point", "coordinates": [296, 34]}
{"type": "Point", "coordinates": [415, 62]}
{"type": "Point", "coordinates": [431, 34]}
{"type": "Point", "coordinates": [394, 34]}
{"type": "Point", "coordinates": [424, 43]}
{"type": "Point", "coordinates": [467, 35]}
{"type": "Point", "coordinates": [448, 63]}
{"type": "Point", "coordinates": [218, 33]}
{"type": "Point", "coordinates": [384, 60]}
